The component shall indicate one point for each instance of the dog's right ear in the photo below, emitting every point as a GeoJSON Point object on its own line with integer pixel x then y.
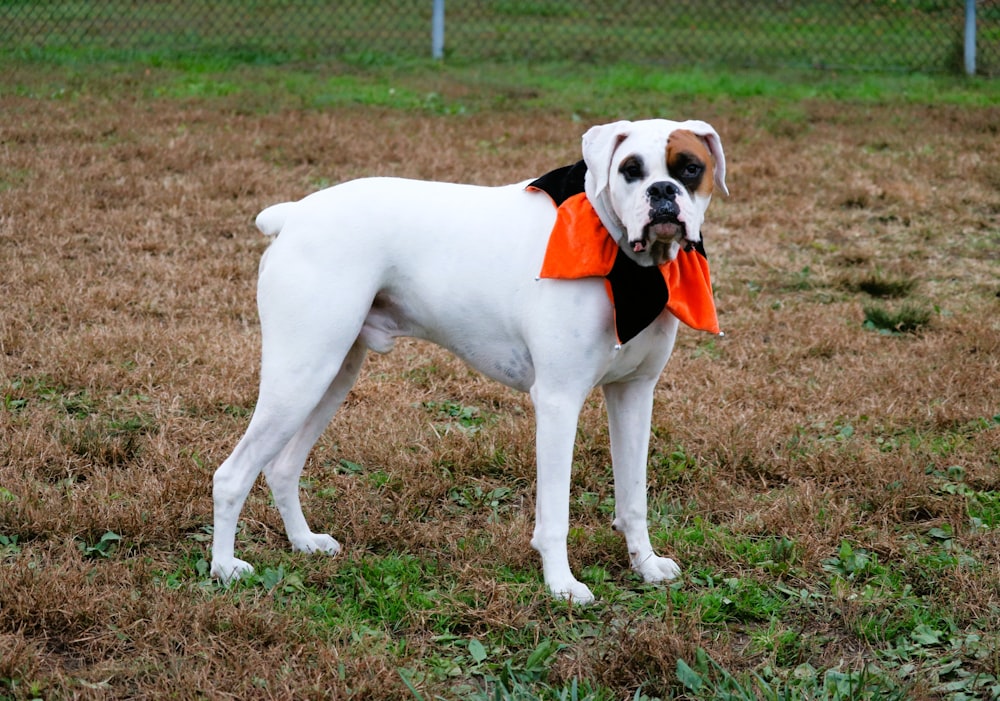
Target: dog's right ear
{"type": "Point", "coordinates": [599, 146]}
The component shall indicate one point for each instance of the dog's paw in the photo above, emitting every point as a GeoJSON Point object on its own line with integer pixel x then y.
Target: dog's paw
{"type": "Point", "coordinates": [572, 591]}
{"type": "Point", "coordinates": [231, 569]}
{"type": "Point", "coordinates": [658, 569]}
{"type": "Point", "coordinates": [316, 543]}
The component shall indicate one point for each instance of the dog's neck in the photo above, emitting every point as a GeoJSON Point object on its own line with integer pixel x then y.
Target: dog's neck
{"type": "Point", "coordinates": [599, 201]}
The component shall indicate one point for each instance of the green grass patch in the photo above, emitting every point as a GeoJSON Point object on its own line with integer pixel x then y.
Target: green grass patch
{"type": "Point", "coordinates": [909, 318]}
{"type": "Point", "coordinates": [381, 594]}
{"type": "Point", "coordinates": [734, 600]}
{"type": "Point", "coordinates": [621, 89]}
{"type": "Point", "coordinates": [23, 392]}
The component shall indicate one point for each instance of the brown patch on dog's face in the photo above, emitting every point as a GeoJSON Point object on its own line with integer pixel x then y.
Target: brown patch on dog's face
{"type": "Point", "coordinates": [690, 163]}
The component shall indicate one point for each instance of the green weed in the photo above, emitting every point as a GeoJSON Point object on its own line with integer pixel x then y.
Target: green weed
{"type": "Point", "coordinates": [23, 391]}
{"type": "Point", "coordinates": [468, 419]}
{"type": "Point", "coordinates": [982, 505]}
{"type": "Point", "coordinates": [103, 547]}
{"type": "Point", "coordinates": [8, 546]}
{"type": "Point", "coordinates": [909, 318]}
{"type": "Point", "coordinates": [475, 498]}
{"type": "Point", "coordinates": [850, 563]}
{"type": "Point", "coordinates": [705, 679]}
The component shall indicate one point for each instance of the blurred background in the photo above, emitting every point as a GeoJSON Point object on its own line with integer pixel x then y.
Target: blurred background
{"type": "Point", "coordinates": [885, 35]}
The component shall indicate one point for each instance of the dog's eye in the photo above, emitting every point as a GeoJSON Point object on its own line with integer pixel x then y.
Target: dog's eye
{"type": "Point", "coordinates": [692, 171]}
{"type": "Point", "coordinates": [632, 170]}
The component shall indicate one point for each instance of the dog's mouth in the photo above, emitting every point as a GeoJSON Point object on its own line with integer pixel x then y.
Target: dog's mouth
{"type": "Point", "coordinates": [663, 230]}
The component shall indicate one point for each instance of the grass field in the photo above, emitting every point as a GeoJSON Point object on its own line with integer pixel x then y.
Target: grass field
{"type": "Point", "coordinates": [828, 474]}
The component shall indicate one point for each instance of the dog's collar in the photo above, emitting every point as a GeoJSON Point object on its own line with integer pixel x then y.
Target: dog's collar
{"type": "Point", "coordinates": [580, 246]}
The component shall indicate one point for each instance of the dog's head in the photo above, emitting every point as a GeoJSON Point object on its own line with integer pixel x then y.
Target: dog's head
{"type": "Point", "coordinates": [651, 182]}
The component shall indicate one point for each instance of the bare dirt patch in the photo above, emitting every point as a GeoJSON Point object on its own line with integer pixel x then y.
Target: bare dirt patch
{"type": "Point", "coordinates": [128, 359]}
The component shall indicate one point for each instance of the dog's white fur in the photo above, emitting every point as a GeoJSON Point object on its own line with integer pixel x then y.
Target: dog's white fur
{"type": "Point", "coordinates": [359, 264]}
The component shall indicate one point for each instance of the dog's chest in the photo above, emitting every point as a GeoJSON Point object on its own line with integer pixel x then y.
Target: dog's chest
{"type": "Point", "coordinates": [645, 355]}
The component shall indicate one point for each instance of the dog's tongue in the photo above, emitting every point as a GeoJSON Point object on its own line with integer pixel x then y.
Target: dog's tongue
{"type": "Point", "coordinates": [639, 246]}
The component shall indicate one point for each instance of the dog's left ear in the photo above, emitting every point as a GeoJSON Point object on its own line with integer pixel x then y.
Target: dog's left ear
{"type": "Point", "coordinates": [599, 145]}
{"type": "Point", "coordinates": [711, 138]}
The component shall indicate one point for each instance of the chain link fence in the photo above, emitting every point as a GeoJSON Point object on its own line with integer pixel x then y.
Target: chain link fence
{"type": "Point", "coordinates": [885, 35]}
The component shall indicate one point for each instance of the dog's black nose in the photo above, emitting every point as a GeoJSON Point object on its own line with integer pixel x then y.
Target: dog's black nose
{"type": "Point", "coordinates": [661, 192]}
{"type": "Point", "coordinates": [663, 200]}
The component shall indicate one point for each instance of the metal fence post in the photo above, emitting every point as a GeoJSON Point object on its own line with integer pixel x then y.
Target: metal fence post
{"type": "Point", "coordinates": [970, 37]}
{"type": "Point", "coordinates": [437, 30]}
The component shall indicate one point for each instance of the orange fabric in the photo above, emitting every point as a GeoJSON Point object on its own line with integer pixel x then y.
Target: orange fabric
{"type": "Point", "coordinates": [580, 246]}
{"type": "Point", "coordinates": [689, 286]}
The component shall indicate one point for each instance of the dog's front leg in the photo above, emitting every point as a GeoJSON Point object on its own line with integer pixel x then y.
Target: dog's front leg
{"type": "Point", "coordinates": [556, 415]}
{"type": "Point", "coordinates": [630, 412]}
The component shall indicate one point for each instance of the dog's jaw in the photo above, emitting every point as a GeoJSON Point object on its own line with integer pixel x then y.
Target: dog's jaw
{"type": "Point", "coordinates": [656, 251]}
{"type": "Point", "coordinates": [661, 237]}
{"type": "Point", "coordinates": [662, 229]}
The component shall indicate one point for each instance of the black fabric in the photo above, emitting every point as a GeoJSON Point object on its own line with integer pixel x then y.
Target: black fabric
{"type": "Point", "coordinates": [640, 294]}
{"type": "Point", "coordinates": [562, 183]}
{"type": "Point", "coordinates": [699, 247]}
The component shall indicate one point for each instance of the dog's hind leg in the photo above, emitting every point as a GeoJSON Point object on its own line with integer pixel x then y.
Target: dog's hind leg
{"type": "Point", "coordinates": [295, 402]}
{"type": "Point", "coordinates": [283, 472]}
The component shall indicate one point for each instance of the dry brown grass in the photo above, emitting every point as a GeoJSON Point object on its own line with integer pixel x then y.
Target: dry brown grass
{"type": "Point", "coordinates": [128, 358]}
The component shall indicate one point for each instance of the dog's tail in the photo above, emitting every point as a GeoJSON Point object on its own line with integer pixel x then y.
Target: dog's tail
{"type": "Point", "coordinates": [272, 220]}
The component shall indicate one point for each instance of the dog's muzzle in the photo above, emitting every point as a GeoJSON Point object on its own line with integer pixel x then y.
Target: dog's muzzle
{"type": "Point", "coordinates": [664, 217]}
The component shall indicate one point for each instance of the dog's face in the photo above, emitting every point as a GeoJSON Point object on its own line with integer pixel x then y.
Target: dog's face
{"type": "Point", "coordinates": [651, 182]}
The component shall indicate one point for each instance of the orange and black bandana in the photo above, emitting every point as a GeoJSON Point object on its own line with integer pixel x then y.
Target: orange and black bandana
{"type": "Point", "coordinates": [580, 246]}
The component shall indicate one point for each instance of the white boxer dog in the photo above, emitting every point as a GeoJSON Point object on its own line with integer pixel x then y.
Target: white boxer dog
{"type": "Point", "coordinates": [357, 265]}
